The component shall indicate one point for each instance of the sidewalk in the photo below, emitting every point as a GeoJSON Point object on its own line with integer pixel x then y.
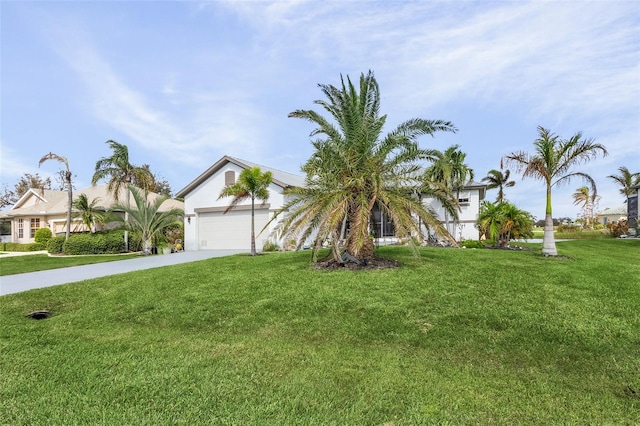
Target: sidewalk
{"type": "Point", "coordinates": [10, 284]}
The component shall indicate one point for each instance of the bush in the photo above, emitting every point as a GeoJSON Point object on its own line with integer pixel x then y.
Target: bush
{"type": "Point", "coordinates": [22, 247]}
{"type": "Point", "coordinates": [42, 235]}
{"type": "Point", "coordinates": [619, 228]}
{"type": "Point", "coordinates": [568, 228]}
{"type": "Point", "coordinates": [54, 245]}
{"type": "Point", "coordinates": [270, 246]}
{"type": "Point", "coordinates": [99, 243]}
{"type": "Point", "coordinates": [472, 244]}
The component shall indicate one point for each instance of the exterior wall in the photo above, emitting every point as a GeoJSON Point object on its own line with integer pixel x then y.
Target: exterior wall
{"type": "Point", "coordinates": [467, 216]}
{"type": "Point", "coordinates": [206, 196]}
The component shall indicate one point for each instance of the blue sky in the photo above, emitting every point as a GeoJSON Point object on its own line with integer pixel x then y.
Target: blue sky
{"type": "Point", "coordinates": [184, 83]}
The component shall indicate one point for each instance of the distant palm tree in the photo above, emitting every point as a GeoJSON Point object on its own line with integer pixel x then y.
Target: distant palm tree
{"type": "Point", "coordinates": [89, 211]}
{"type": "Point", "coordinates": [496, 179]}
{"type": "Point", "coordinates": [582, 197]}
{"type": "Point", "coordinates": [355, 168]}
{"type": "Point", "coordinates": [67, 178]}
{"type": "Point", "coordinates": [626, 180]}
{"type": "Point", "coordinates": [251, 184]}
{"type": "Point", "coordinates": [552, 162]}
{"type": "Point", "coordinates": [146, 217]}
{"type": "Point", "coordinates": [121, 173]}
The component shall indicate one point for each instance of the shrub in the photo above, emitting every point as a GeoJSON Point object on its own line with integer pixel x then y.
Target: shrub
{"type": "Point", "coordinates": [472, 244]}
{"type": "Point", "coordinates": [22, 247]}
{"type": "Point", "coordinates": [98, 243]}
{"type": "Point", "coordinates": [42, 235]}
{"type": "Point", "coordinates": [54, 245]}
{"type": "Point", "coordinates": [568, 228]}
{"type": "Point", "coordinates": [270, 246]}
{"type": "Point", "coordinates": [619, 228]}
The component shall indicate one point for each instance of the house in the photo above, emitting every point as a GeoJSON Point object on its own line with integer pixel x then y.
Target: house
{"type": "Point", "coordinates": [46, 208]}
{"type": "Point", "coordinates": [612, 215]}
{"type": "Point", "coordinates": [207, 228]}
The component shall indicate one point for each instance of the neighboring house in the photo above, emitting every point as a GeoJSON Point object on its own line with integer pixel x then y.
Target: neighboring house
{"type": "Point", "coordinates": [46, 208]}
{"type": "Point", "coordinates": [612, 215]}
{"type": "Point", "coordinates": [632, 209]}
{"type": "Point", "coordinates": [207, 228]}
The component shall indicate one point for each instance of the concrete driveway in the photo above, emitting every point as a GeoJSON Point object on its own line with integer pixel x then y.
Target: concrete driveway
{"type": "Point", "coordinates": [10, 284]}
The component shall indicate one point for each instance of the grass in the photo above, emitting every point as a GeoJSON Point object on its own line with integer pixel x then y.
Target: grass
{"type": "Point", "coordinates": [452, 337]}
{"type": "Point", "coordinates": [10, 265]}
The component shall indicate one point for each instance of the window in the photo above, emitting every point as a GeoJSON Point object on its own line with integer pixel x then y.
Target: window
{"type": "Point", "coordinates": [20, 228]}
{"type": "Point", "coordinates": [35, 224]}
{"type": "Point", "coordinates": [381, 224]}
{"type": "Point", "coordinates": [229, 177]}
{"type": "Point", "coordinates": [5, 227]}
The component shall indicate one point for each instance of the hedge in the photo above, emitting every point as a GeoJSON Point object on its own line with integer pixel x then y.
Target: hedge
{"type": "Point", "coordinates": [99, 243]}
{"type": "Point", "coordinates": [54, 245]}
{"type": "Point", "coordinates": [22, 247]}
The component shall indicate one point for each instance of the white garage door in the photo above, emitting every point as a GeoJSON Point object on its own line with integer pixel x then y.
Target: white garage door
{"type": "Point", "coordinates": [231, 231]}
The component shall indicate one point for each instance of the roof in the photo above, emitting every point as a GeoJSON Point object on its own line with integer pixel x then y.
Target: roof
{"type": "Point", "coordinates": [619, 210]}
{"type": "Point", "coordinates": [280, 178]}
{"type": "Point", "coordinates": [49, 202]}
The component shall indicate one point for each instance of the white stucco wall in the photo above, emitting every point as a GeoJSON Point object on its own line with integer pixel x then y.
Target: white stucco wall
{"type": "Point", "coordinates": [206, 196]}
{"type": "Point", "coordinates": [467, 216]}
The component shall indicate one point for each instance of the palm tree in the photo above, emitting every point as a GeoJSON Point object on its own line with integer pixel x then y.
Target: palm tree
{"type": "Point", "coordinates": [251, 184]}
{"type": "Point", "coordinates": [503, 221]}
{"type": "Point", "coordinates": [67, 178]}
{"type": "Point", "coordinates": [626, 180]}
{"type": "Point", "coordinates": [121, 173]}
{"type": "Point", "coordinates": [146, 216]}
{"type": "Point", "coordinates": [496, 179]}
{"type": "Point", "coordinates": [89, 211]}
{"type": "Point", "coordinates": [450, 170]}
{"type": "Point", "coordinates": [355, 168]}
{"type": "Point", "coordinates": [552, 162]}
{"type": "Point", "coordinates": [582, 197]}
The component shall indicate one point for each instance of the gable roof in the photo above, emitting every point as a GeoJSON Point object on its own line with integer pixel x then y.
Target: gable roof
{"type": "Point", "coordinates": [50, 202]}
{"type": "Point", "coordinates": [280, 178]}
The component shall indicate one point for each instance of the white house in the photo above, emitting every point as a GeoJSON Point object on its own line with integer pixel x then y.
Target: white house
{"type": "Point", "coordinates": [207, 228]}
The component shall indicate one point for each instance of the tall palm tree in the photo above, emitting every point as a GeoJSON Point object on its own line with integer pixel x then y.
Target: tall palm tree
{"type": "Point", "coordinates": [146, 216]}
{"type": "Point", "coordinates": [497, 179]}
{"type": "Point", "coordinates": [583, 197]}
{"type": "Point", "coordinates": [67, 178]}
{"type": "Point", "coordinates": [552, 162]}
{"type": "Point", "coordinates": [354, 168]}
{"type": "Point", "coordinates": [626, 180]}
{"type": "Point", "coordinates": [251, 184]}
{"type": "Point", "coordinates": [121, 173]}
{"type": "Point", "coordinates": [88, 211]}
{"type": "Point", "coordinates": [449, 169]}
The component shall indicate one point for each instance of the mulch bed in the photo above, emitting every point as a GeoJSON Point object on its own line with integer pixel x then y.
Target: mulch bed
{"type": "Point", "coordinates": [371, 264]}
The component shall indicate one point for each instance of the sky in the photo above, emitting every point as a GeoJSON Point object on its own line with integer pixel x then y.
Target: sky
{"type": "Point", "coordinates": [183, 83]}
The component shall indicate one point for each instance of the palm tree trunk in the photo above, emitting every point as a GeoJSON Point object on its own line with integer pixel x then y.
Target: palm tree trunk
{"type": "Point", "coordinates": [126, 219]}
{"type": "Point", "coordinates": [68, 233]}
{"type": "Point", "coordinates": [253, 231]}
{"type": "Point", "coordinates": [548, 241]}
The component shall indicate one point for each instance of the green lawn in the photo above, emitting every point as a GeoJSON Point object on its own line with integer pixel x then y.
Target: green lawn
{"type": "Point", "coordinates": [10, 265]}
{"type": "Point", "coordinates": [456, 336]}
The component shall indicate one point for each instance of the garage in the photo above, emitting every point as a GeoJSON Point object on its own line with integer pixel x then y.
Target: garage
{"type": "Point", "coordinates": [218, 231]}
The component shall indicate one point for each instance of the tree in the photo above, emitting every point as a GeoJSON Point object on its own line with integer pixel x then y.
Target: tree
{"type": "Point", "coordinates": [69, 185]}
{"type": "Point", "coordinates": [496, 179]}
{"type": "Point", "coordinates": [552, 162]}
{"type": "Point", "coordinates": [88, 211]}
{"type": "Point", "coordinates": [449, 169]}
{"type": "Point", "coordinates": [159, 185]}
{"type": "Point", "coordinates": [121, 173]}
{"type": "Point", "coordinates": [583, 197]}
{"type": "Point", "coordinates": [8, 197]}
{"type": "Point", "coordinates": [146, 216]}
{"type": "Point", "coordinates": [251, 184]}
{"type": "Point", "coordinates": [503, 221]}
{"type": "Point", "coordinates": [626, 180]}
{"type": "Point", "coordinates": [355, 168]}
